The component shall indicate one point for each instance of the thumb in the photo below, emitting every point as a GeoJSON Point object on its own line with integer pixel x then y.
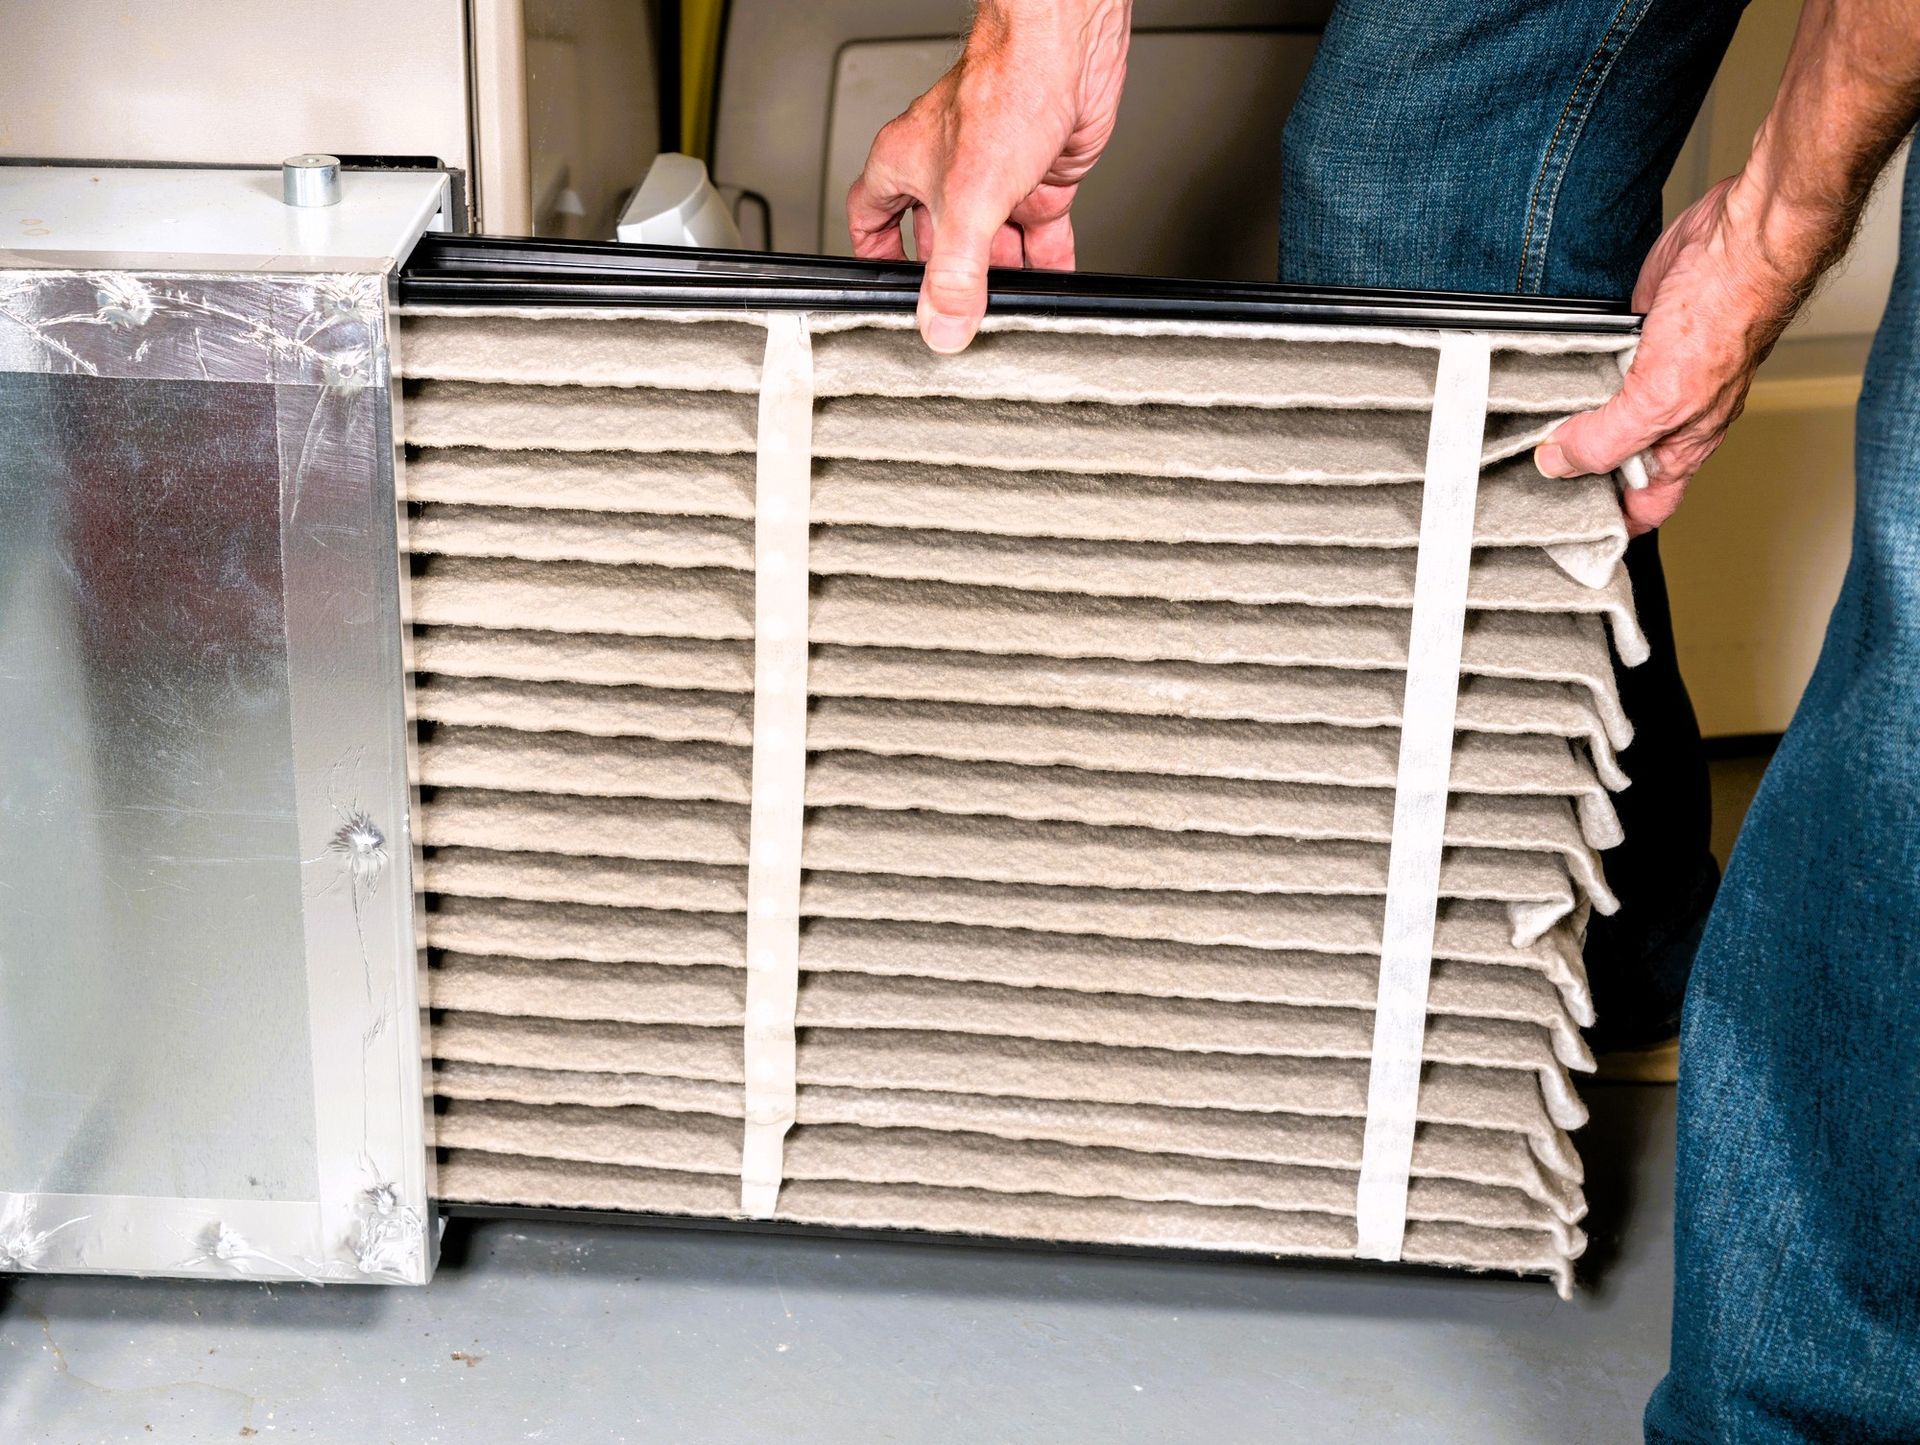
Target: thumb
{"type": "Point", "coordinates": [1600, 441]}
{"type": "Point", "coordinates": [953, 292]}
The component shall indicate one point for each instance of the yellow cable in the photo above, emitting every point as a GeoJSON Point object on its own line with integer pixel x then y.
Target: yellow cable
{"type": "Point", "coordinates": [699, 72]}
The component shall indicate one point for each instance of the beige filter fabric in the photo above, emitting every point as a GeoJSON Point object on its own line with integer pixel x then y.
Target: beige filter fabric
{"type": "Point", "coordinates": [1468, 932]}
{"type": "Point", "coordinates": [1026, 1074]}
{"type": "Point", "coordinates": [641, 1138]}
{"type": "Point", "coordinates": [1518, 507]}
{"type": "Point", "coordinates": [609, 604]}
{"type": "Point", "coordinates": [1445, 1151]}
{"type": "Point", "coordinates": [1108, 630]}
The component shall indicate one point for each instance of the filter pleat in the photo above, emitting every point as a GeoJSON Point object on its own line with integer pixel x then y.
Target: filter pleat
{"type": "Point", "coordinates": [717, 355]}
{"type": "Point", "coordinates": [1441, 1151]}
{"type": "Point", "coordinates": [589, 601]}
{"type": "Point", "coordinates": [576, 764]}
{"type": "Point", "coordinates": [1349, 697]}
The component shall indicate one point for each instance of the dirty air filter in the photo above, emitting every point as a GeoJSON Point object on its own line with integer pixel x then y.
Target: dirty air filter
{"type": "Point", "coordinates": [971, 794]}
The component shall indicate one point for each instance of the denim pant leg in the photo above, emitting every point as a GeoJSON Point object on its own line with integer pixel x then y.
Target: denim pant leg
{"type": "Point", "coordinates": [1520, 146]}
{"type": "Point", "coordinates": [1797, 1272]}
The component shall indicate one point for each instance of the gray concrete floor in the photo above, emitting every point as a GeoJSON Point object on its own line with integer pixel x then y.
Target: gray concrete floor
{"type": "Point", "coordinates": [583, 1333]}
{"type": "Point", "coordinates": [580, 1333]}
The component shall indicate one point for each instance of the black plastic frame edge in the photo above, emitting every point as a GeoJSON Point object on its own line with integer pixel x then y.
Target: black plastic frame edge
{"type": "Point", "coordinates": [515, 271]}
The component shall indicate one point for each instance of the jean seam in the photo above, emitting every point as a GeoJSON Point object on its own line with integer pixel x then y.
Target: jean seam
{"type": "Point", "coordinates": [1555, 163]}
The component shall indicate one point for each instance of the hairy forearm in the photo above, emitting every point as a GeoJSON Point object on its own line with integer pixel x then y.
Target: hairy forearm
{"type": "Point", "coordinates": [997, 21]}
{"type": "Point", "coordinates": [1850, 92]}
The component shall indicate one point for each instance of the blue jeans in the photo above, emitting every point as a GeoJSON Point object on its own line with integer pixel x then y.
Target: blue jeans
{"type": "Point", "coordinates": [1520, 145]}
{"type": "Point", "coordinates": [1797, 1289]}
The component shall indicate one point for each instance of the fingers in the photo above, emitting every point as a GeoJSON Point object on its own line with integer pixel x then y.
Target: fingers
{"type": "Point", "coordinates": [885, 245]}
{"type": "Point", "coordinates": [1049, 244]}
{"type": "Point", "coordinates": [1711, 315]}
{"type": "Point", "coordinates": [1651, 506]}
{"type": "Point", "coordinates": [1672, 456]}
{"type": "Point", "coordinates": [882, 194]}
{"type": "Point", "coordinates": [1005, 250]}
{"type": "Point", "coordinates": [957, 246]}
{"type": "Point", "coordinates": [1007, 247]}
{"type": "Point", "coordinates": [953, 292]}
{"type": "Point", "coordinates": [1616, 437]}
{"type": "Point", "coordinates": [874, 210]}
{"type": "Point", "coordinates": [1619, 435]}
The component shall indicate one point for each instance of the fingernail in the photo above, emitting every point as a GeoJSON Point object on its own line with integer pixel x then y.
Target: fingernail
{"type": "Point", "coordinates": [948, 334]}
{"type": "Point", "coordinates": [1550, 460]}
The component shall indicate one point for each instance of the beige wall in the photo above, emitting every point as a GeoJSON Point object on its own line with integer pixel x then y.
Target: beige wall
{"type": "Point", "coordinates": [566, 113]}
{"type": "Point", "coordinates": [1755, 557]}
{"type": "Point", "coordinates": [593, 114]}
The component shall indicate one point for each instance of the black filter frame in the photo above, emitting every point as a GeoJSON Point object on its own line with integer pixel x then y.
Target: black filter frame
{"type": "Point", "coordinates": [449, 270]}
{"type": "Point", "coordinates": [476, 270]}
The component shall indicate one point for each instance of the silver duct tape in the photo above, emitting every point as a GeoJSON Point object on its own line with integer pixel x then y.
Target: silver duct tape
{"type": "Point", "coordinates": [322, 329]}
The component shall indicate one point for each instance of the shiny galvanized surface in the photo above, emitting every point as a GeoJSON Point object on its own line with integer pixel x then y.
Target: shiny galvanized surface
{"type": "Point", "coordinates": [317, 328]}
{"type": "Point", "coordinates": [209, 1000]}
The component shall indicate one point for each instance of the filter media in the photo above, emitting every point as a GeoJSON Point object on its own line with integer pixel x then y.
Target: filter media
{"type": "Point", "coordinates": [966, 794]}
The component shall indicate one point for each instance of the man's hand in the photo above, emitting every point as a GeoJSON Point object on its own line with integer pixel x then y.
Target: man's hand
{"type": "Point", "coordinates": [989, 160]}
{"type": "Point", "coordinates": [1723, 282]}
{"type": "Point", "coordinates": [1715, 304]}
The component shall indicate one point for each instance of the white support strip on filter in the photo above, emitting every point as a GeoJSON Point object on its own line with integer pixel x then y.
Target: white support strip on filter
{"type": "Point", "coordinates": [782, 498]}
{"type": "Point", "coordinates": [1420, 790]}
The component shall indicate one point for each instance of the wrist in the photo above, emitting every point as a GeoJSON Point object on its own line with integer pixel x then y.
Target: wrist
{"type": "Point", "coordinates": [1783, 239]}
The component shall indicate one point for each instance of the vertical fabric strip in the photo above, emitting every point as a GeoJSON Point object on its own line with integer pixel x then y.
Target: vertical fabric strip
{"type": "Point", "coordinates": [782, 499]}
{"type": "Point", "coordinates": [1420, 790]}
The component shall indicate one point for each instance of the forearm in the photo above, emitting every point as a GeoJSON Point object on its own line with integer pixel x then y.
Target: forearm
{"type": "Point", "coordinates": [1850, 92]}
{"type": "Point", "coordinates": [997, 23]}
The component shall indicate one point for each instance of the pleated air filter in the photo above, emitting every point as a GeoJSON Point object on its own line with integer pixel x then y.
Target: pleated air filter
{"type": "Point", "coordinates": [989, 795]}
